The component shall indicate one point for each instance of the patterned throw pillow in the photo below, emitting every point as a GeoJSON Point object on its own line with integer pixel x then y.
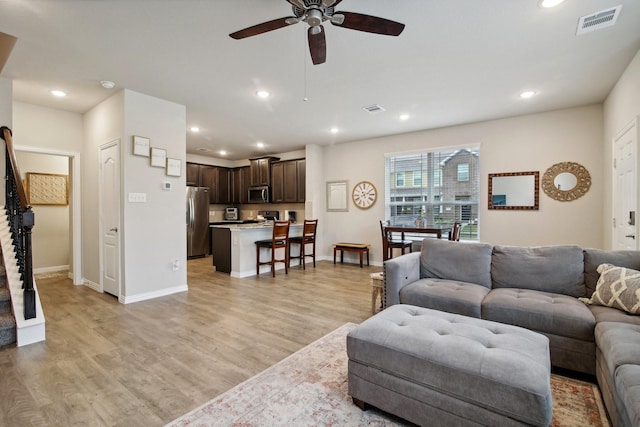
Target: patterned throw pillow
{"type": "Point", "coordinates": [617, 287]}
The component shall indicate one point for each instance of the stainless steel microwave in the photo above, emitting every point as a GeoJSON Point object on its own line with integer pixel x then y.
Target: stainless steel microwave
{"type": "Point", "coordinates": [260, 194]}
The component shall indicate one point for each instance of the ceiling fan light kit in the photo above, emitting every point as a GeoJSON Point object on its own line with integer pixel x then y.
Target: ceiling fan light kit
{"type": "Point", "coordinates": [314, 13]}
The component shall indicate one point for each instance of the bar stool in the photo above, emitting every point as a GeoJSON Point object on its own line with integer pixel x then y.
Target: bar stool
{"type": "Point", "coordinates": [279, 240]}
{"type": "Point", "coordinates": [308, 238]}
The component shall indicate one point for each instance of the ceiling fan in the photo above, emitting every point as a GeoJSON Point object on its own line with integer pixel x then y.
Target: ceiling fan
{"type": "Point", "coordinates": [314, 13]}
{"type": "Point", "coordinates": [6, 46]}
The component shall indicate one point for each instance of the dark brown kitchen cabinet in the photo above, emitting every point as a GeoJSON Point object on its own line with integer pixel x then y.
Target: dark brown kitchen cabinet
{"type": "Point", "coordinates": [219, 181]}
{"type": "Point", "coordinates": [261, 170]}
{"type": "Point", "coordinates": [302, 180]}
{"type": "Point", "coordinates": [240, 184]}
{"type": "Point", "coordinates": [193, 174]}
{"type": "Point", "coordinates": [277, 182]}
{"type": "Point", "coordinates": [288, 181]}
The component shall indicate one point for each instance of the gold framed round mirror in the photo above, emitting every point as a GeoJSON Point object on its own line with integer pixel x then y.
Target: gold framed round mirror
{"type": "Point", "coordinates": [566, 181]}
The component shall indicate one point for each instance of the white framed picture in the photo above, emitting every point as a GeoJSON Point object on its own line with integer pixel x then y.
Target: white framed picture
{"type": "Point", "coordinates": [174, 167]}
{"type": "Point", "coordinates": [158, 157]}
{"type": "Point", "coordinates": [141, 146]}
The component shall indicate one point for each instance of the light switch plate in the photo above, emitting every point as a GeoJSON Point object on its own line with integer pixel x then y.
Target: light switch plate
{"type": "Point", "coordinates": [137, 197]}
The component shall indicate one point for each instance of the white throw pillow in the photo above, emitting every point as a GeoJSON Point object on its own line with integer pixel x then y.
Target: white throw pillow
{"type": "Point", "coordinates": [617, 287]}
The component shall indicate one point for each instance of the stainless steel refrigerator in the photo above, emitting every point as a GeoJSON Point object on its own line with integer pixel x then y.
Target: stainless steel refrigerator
{"type": "Point", "coordinates": [197, 221]}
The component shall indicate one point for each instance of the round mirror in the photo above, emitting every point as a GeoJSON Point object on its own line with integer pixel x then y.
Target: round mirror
{"type": "Point", "coordinates": [566, 181]}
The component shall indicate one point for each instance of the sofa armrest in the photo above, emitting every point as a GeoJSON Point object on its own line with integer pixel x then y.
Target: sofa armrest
{"type": "Point", "coordinates": [399, 272]}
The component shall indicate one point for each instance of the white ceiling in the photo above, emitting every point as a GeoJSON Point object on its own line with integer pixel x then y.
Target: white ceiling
{"type": "Point", "coordinates": [457, 61]}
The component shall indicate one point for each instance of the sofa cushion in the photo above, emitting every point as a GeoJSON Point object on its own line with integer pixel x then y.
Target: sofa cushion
{"type": "Point", "coordinates": [557, 269]}
{"type": "Point", "coordinates": [540, 311]}
{"type": "Point", "coordinates": [608, 314]}
{"type": "Point", "coordinates": [464, 262]}
{"type": "Point", "coordinates": [619, 344]}
{"type": "Point", "coordinates": [445, 295]}
{"type": "Point", "coordinates": [617, 287]}
{"type": "Point", "coordinates": [594, 257]}
{"type": "Point", "coordinates": [627, 380]}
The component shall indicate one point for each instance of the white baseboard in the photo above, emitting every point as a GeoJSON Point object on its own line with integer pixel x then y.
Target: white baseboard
{"type": "Point", "coordinates": [52, 269]}
{"type": "Point", "coordinates": [95, 286]}
{"type": "Point", "coordinates": [151, 295]}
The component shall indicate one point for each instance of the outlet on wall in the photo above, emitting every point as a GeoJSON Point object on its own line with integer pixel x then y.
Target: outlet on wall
{"type": "Point", "coordinates": [176, 265]}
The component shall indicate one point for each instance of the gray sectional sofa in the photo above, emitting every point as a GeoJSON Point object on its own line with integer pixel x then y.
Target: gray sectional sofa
{"type": "Point", "coordinates": [537, 288]}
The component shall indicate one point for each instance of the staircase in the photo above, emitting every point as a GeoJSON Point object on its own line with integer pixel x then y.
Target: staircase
{"type": "Point", "coordinates": [7, 321]}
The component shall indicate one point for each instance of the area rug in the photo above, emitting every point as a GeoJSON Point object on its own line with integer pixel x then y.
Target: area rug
{"type": "Point", "coordinates": [309, 388]}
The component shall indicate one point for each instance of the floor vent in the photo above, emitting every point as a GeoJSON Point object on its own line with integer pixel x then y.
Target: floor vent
{"type": "Point", "coordinates": [373, 109]}
{"type": "Point", "coordinates": [598, 20]}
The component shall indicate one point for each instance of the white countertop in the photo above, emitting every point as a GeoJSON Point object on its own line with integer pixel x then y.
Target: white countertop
{"type": "Point", "coordinates": [258, 226]}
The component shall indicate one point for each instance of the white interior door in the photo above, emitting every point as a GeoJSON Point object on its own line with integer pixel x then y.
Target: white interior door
{"type": "Point", "coordinates": [109, 217]}
{"type": "Point", "coordinates": [625, 188]}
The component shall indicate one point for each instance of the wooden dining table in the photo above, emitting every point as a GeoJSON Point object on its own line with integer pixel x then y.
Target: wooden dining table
{"type": "Point", "coordinates": [436, 229]}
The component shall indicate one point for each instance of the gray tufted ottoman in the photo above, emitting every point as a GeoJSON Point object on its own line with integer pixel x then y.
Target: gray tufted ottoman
{"type": "Point", "coordinates": [441, 369]}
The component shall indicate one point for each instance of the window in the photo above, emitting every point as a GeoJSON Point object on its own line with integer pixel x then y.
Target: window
{"type": "Point", "coordinates": [463, 172]}
{"type": "Point", "coordinates": [417, 178]}
{"type": "Point", "coordinates": [442, 185]}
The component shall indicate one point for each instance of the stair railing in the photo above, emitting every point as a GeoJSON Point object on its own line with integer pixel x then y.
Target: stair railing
{"type": "Point", "coordinates": [21, 221]}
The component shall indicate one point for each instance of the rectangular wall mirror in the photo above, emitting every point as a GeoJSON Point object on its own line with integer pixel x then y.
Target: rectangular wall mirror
{"type": "Point", "coordinates": [514, 190]}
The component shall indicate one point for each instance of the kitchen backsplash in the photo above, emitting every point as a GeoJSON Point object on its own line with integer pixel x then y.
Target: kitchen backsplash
{"type": "Point", "coordinates": [216, 212]}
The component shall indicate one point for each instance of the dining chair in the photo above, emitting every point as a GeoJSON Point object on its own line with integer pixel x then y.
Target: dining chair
{"type": "Point", "coordinates": [308, 238]}
{"type": "Point", "coordinates": [454, 234]}
{"type": "Point", "coordinates": [389, 244]}
{"type": "Point", "coordinates": [279, 240]}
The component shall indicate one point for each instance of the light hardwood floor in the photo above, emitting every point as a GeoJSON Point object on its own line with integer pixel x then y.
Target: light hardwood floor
{"type": "Point", "coordinates": [147, 363]}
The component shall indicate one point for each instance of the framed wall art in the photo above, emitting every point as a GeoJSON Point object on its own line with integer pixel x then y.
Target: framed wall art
{"type": "Point", "coordinates": [158, 157]}
{"type": "Point", "coordinates": [141, 146]}
{"type": "Point", "coordinates": [47, 189]}
{"type": "Point", "coordinates": [174, 167]}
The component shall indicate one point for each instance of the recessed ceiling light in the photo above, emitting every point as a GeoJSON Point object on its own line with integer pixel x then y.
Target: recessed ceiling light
{"type": "Point", "coordinates": [195, 129]}
{"type": "Point", "coordinates": [58, 93]}
{"type": "Point", "coordinates": [107, 84]}
{"type": "Point", "coordinates": [550, 3]}
{"type": "Point", "coordinates": [262, 94]}
{"type": "Point", "coordinates": [222, 152]}
{"type": "Point", "coordinates": [260, 144]}
{"type": "Point", "coordinates": [404, 117]}
{"type": "Point", "coordinates": [528, 94]}
{"type": "Point", "coordinates": [335, 130]}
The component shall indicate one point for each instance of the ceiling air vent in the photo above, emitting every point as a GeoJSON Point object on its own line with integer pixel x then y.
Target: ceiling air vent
{"type": "Point", "coordinates": [372, 109]}
{"type": "Point", "coordinates": [598, 20]}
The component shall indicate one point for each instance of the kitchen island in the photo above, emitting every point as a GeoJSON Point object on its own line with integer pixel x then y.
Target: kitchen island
{"type": "Point", "coordinates": [234, 247]}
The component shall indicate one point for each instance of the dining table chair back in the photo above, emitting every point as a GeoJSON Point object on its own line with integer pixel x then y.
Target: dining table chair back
{"type": "Point", "coordinates": [279, 240]}
{"type": "Point", "coordinates": [389, 243]}
{"type": "Point", "coordinates": [308, 237]}
{"type": "Point", "coordinates": [454, 234]}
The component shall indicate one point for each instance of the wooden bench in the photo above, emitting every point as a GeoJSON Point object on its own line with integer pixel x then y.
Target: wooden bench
{"type": "Point", "coordinates": [361, 248]}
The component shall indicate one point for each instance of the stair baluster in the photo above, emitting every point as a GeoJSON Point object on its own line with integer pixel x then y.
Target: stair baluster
{"type": "Point", "coordinates": [21, 220]}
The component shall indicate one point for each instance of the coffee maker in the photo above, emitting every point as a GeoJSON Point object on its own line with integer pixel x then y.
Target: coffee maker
{"type": "Point", "coordinates": [292, 216]}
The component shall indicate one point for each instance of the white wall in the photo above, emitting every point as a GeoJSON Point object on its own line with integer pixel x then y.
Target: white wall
{"type": "Point", "coordinates": [50, 130]}
{"type": "Point", "coordinates": [620, 108]}
{"type": "Point", "coordinates": [6, 119]}
{"type": "Point", "coordinates": [50, 236]}
{"type": "Point", "coordinates": [102, 124]}
{"type": "Point", "coordinates": [154, 233]}
{"type": "Point", "coordinates": [524, 143]}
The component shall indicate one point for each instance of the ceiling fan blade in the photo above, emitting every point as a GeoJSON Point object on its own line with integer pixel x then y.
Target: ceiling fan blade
{"type": "Point", "coordinates": [317, 45]}
{"type": "Point", "coordinates": [261, 28]}
{"type": "Point", "coordinates": [370, 24]}
{"type": "Point", "coordinates": [6, 46]}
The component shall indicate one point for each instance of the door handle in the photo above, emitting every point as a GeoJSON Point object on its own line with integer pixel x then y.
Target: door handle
{"type": "Point", "coordinates": [114, 229]}
{"type": "Point", "coordinates": [633, 236]}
